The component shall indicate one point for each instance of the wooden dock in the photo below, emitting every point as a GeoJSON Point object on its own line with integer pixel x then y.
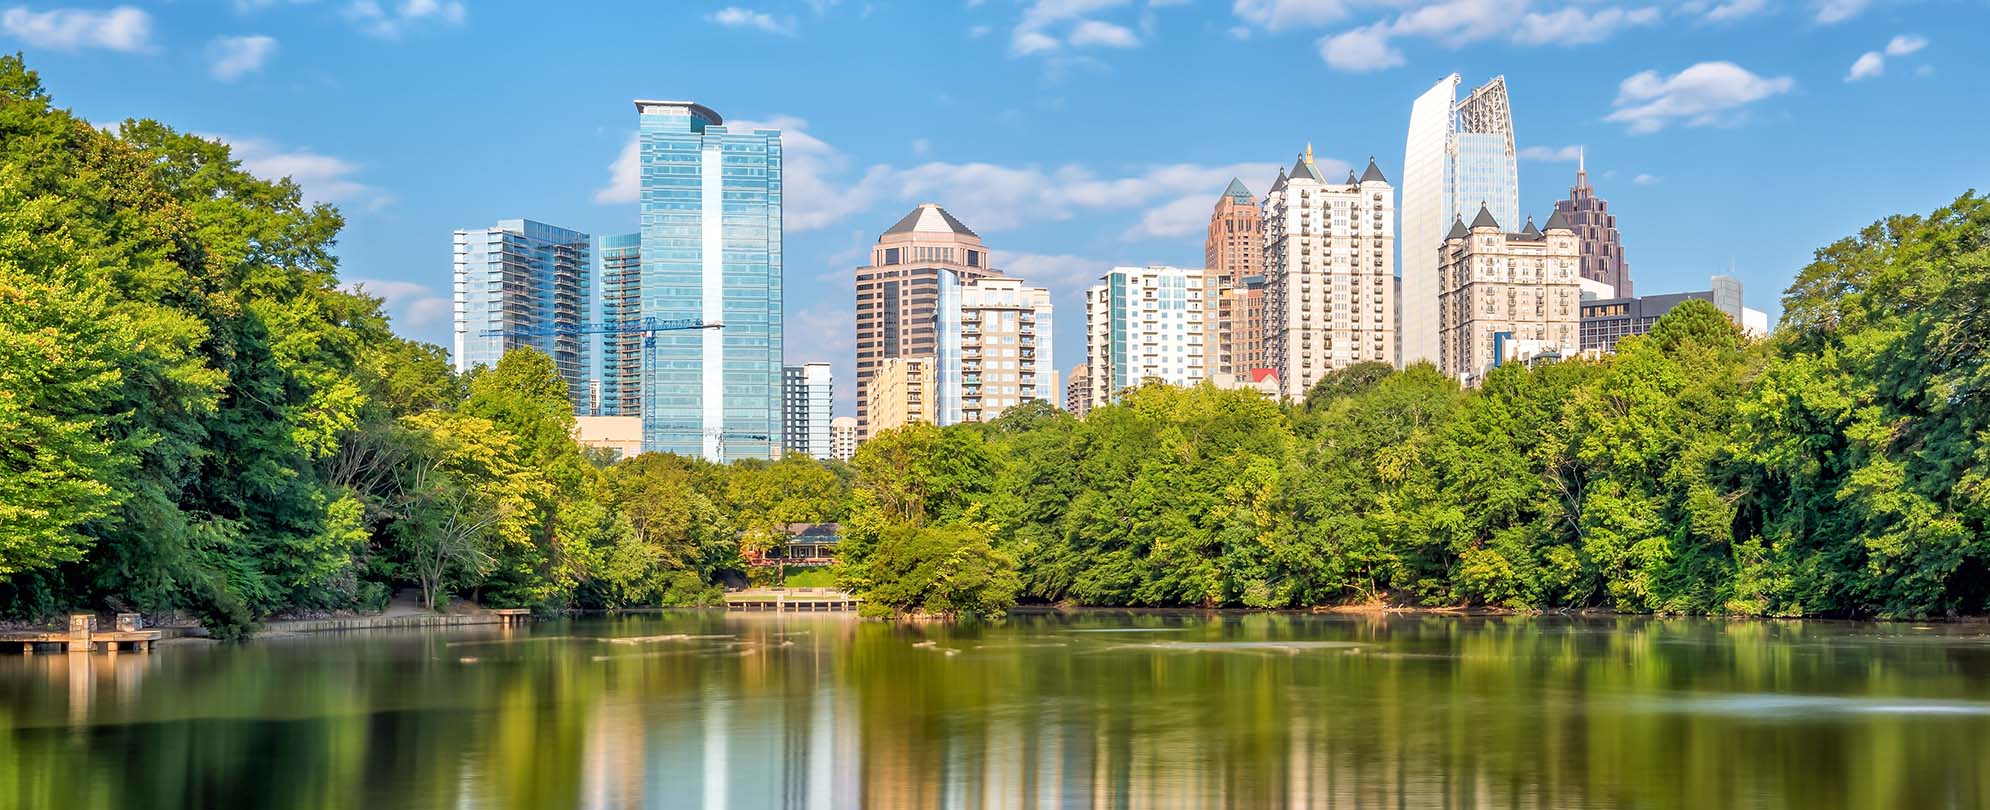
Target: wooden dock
{"type": "Point", "coordinates": [84, 636]}
{"type": "Point", "coordinates": [792, 600]}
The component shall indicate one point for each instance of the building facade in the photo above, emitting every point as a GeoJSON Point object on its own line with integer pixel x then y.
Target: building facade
{"type": "Point", "coordinates": [902, 393]}
{"type": "Point", "coordinates": [1459, 157]}
{"type": "Point", "coordinates": [1605, 321]}
{"type": "Point", "coordinates": [1233, 251]}
{"type": "Point", "coordinates": [1330, 266]}
{"type": "Point", "coordinates": [1078, 391]}
{"type": "Point", "coordinates": [808, 393]}
{"type": "Point", "coordinates": [995, 348]}
{"type": "Point", "coordinates": [1508, 296]}
{"type": "Point", "coordinates": [843, 438]}
{"type": "Point", "coordinates": [710, 252]}
{"type": "Point", "coordinates": [1596, 231]}
{"type": "Point", "coordinates": [1148, 323]}
{"type": "Point", "coordinates": [620, 258]}
{"type": "Point", "coordinates": [523, 284]}
{"type": "Point", "coordinates": [898, 293]}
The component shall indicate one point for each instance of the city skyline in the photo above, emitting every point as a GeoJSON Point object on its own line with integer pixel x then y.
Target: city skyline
{"type": "Point", "coordinates": [1032, 139]}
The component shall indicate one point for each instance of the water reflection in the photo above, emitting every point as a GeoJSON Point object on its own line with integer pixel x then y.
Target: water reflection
{"type": "Point", "coordinates": [710, 710]}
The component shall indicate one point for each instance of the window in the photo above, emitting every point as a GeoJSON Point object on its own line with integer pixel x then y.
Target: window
{"type": "Point", "coordinates": [890, 256]}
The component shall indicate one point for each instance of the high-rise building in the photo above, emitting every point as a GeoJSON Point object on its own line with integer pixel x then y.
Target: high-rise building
{"type": "Point", "coordinates": [1459, 157]}
{"type": "Point", "coordinates": [898, 293]}
{"type": "Point", "coordinates": [808, 392]}
{"type": "Point", "coordinates": [1078, 391]}
{"type": "Point", "coordinates": [621, 258]}
{"type": "Point", "coordinates": [1147, 323]}
{"type": "Point", "coordinates": [902, 393]}
{"type": "Point", "coordinates": [1507, 296]}
{"type": "Point", "coordinates": [995, 348]}
{"type": "Point", "coordinates": [1233, 252]}
{"type": "Point", "coordinates": [523, 283]}
{"type": "Point", "coordinates": [843, 438]}
{"type": "Point", "coordinates": [711, 252]}
{"type": "Point", "coordinates": [1330, 255]}
{"type": "Point", "coordinates": [1596, 231]}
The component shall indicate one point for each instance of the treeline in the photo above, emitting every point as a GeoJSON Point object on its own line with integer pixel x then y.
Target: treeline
{"type": "Point", "coordinates": [195, 415]}
{"type": "Point", "coordinates": [1836, 470]}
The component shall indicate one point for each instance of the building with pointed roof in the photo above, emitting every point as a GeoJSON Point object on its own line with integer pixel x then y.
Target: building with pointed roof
{"type": "Point", "coordinates": [1233, 254]}
{"type": "Point", "coordinates": [1507, 296]}
{"type": "Point", "coordinates": [1458, 156]}
{"type": "Point", "coordinates": [1596, 228]}
{"type": "Point", "coordinates": [898, 293]}
{"type": "Point", "coordinates": [1329, 269]}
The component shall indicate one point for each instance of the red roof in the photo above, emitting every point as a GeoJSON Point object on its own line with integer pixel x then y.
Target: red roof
{"type": "Point", "coordinates": [1259, 375]}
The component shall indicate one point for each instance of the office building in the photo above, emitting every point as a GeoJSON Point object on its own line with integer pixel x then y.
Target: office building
{"type": "Point", "coordinates": [1233, 252]}
{"type": "Point", "coordinates": [1605, 321]}
{"type": "Point", "coordinates": [1330, 255]}
{"type": "Point", "coordinates": [523, 284]}
{"type": "Point", "coordinates": [621, 274]}
{"type": "Point", "coordinates": [1147, 323]}
{"type": "Point", "coordinates": [1596, 231]}
{"type": "Point", "coordinates": [898, 293]}
{"type": "Point", "coordinates": [843, 438]}
{"type": "Point", "coordinates": [618, 437]}
{"type": "Point", "coordinates": [902, 393]}
{"type": "Point", "coordinates": [710, 201]}
{"type": "Point", "coordinates": [1459, 157]}
{"type": "Point", "coordinates": [808, 392]}
{"type": "Point", "coordinates": [995, 348]}
{"type": "Point", "coordinates": [1507, 296]}
{"type": "Point", "coordinates": [1078, 391]}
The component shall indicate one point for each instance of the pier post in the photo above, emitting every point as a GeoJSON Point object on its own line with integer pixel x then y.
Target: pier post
{"type": "Point", "coordinates": [81, 625]}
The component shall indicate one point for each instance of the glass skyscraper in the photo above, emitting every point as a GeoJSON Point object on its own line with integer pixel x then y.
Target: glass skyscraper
{"type": "Point", "coordinates": [523, 283]}
{"type": "Point", "coordinates": [1459, 156]}
{"type": "Point", "coordinates": [710, 251]}
{"type": "Point", "coordinates": [621, 269]}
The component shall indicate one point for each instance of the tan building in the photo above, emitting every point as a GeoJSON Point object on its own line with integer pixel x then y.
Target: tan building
{"type": "Point", "coordinates": [621, 436]}
{"type": "Point", "coordinates": [1078, 392]}
{"type": "Point", "coordinates": [1507, 296]}
{"type": "Point", "coordinates": [843, 438]}
{"type": "Point", "coordinates": [898, 293]}
{"type": "Point", "coordinates": [1233, 252]}
{"type": "Point", "coordinates": [995, 349]}
{"type": "Point", "coordinates": [902, 393]}
{"type": "Point", "coordinates": [1330, 274]}
{"type": "Point", "coordinates": [1149, 323]}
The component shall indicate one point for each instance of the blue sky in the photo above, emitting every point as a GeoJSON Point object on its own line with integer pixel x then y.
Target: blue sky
{"type": "Point", "coordinates": [1073, 134]}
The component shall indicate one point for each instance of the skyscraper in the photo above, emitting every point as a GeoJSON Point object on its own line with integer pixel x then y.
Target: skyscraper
{"type": "Point", "coordinates": [843, 438]}
{"type": "Point", "coordinates": [1507, 295]}
{"type": "Point", "coordinates": [808, 394]}
{"type": "Point", "coordinates": [1329, 272]}
{"type": "Point", "coordinates": [523, 283]}
{"type": "Point", "coordinates": [1596, 231]}
{"type": "Point", "coordinates": [1078, 391]}
{"type": "Point", "coordinates": [1145, 323]}
{"type": "Point", "coordinates": [711, 252]}
{"type": "Point", "coordinates": [898, 293]}
{"type": "Point", "coordinates": [1459, 156]}
{"type": "Point", "coordinates": [995, 348]}
{"type": "Point", "coordinates": [621, 258]}
{"type": "Point", "coordinates": [1234, 252]}
{"type": "Point", "coordinates": [902, 393]}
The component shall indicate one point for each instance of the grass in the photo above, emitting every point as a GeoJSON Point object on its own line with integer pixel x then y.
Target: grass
{"type": "Point", "coordinates": [811, 578]}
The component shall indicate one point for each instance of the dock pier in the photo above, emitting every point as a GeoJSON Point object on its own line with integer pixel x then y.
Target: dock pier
{"type": "Point", "coordinates": [84, 636]}
{"type": "Point", "coordinates": [792, 600]}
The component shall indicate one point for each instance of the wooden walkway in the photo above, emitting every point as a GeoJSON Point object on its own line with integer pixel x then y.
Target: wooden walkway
{"type": "Point", "coordinates": [83, 636]}
{"type": "Point", "coordinates": [790, 600]}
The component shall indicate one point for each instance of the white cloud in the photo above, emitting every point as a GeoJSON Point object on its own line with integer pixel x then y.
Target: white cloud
{"type": "Point", "coordinates": [250, 6]}
{"type": "Point", "coordinates": [231, 58]}
{"type": "Point", "coordinates": [1732, 10]}
{"type": "Point", "coordinates": [921, 146]}
{"type": "Point", "coordinates": [1905, 44]}
{"type": "Point", "coordinates": [1705, 94]}
{"type": "Point", "coordinates": [624, 175]}
{"type": "Point", "coordinates": [1645, 179]}
{"type": "Point", "coordinates": [1025, 43]}
{"type": "Point", "coordinates": [736, 17]}
{"type": "Point", "coordinates": [1573, 26]}
{"type": "Point", "coordinates": [1450, 24]}
{"type": "Point", "coordinates": [1830, 12]}
{"type": "Point", "coordinates": [1240, 33]}
{"type": "Point", "coordinates": [1360, 51]}
{"type": "Point", "coordinates": [124, 28]}
{"type": "Point", "coordinates": [323, 178]}
{"type": "Point", "coordinates": [1094, 32]}
{"type": "Point", "coordinates": [392, 22]}
{"type": "Point", "coordinates": [1551, 154]}
{"type": "Point", "coordinates": [415, 308]}
{"type": "Point", "coordinates": [977, 32]}
{"type": "Point", "coordinates": [1279, 15]}
{"type": "Point", "coordinates": [1868, 65]}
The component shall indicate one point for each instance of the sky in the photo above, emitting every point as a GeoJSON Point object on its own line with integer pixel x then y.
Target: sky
{"type": "Point", "coordinates": [1073, 135]}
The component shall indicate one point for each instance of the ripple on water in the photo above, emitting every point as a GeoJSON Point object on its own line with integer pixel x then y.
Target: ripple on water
{"type": "Point", "coordinates": [1782, 706]}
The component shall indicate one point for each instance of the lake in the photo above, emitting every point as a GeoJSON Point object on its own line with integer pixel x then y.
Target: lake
{"type": "Point", "coordinates": [1094, 710]}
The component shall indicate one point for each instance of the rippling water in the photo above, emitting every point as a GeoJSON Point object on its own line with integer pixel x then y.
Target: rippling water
{"type": "Point", "coordinates": [1091, 710]}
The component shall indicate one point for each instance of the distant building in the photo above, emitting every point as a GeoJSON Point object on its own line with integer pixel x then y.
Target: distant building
{"type": "Point", "coordinates": [1605, 321]}
{"type": "Point", "coordinates": [621, 436]}
{"type": "Point", "coordinates": [1233, 252]}
{"type": "Point", "coordinates": [808, 393]}
{"type": "Point", "coordinates": [1147, 323]}
{"type": "Point", "coordinates": [1330, 256]}
{"type": "Point", "coordinates": [621, 258]}
{"type": "Point", "coordinates": [808, 544]}
{"type": "Point", "coordinates": [995, 348]}
{"type": "Point", "coordinates": [898, 293]}
{"type": "Point", "coordinates": [902, 393]}
{"type": "Point", "coordinates": [1458, 157]}
{"type": "Point", "coordinates": [1507, 296]}
{"type": "Point", "coordinates": [1596, 231]}
{"type": "Point", "coordinates": [1078, 391]}
{"type": "Point", "coordinates": [523, 283]}
{"type": "Point", "coordinates": [1260, 380]}
{"type": "Point", "coordinates": [843, 438]}
{"type": "Point", "coordinates": [710, 202]}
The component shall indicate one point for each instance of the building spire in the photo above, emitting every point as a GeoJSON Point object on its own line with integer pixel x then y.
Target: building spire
{"type": "Point", "coordinates": [1581, 167]}
{"type": "Point", "coordinates": [1309, 153]}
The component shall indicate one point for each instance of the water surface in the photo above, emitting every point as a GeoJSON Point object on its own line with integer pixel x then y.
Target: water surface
{"type": "Point", "coordinates": [1088, 710]}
